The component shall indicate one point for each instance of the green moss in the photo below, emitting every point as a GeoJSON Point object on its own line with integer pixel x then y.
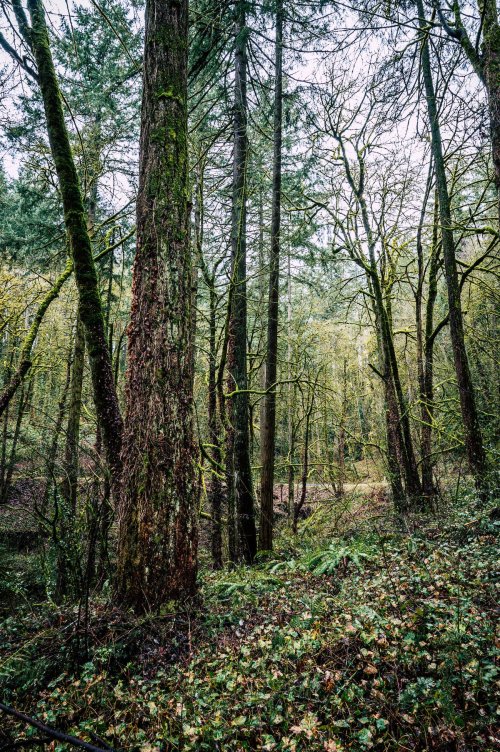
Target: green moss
{"type": "Point", "coordinates": [169, 94]}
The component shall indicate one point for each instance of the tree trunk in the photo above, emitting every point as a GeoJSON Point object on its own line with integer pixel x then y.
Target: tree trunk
{"type": "Point", "coordinates": [394, 437]}
{"type": "Point", "coordinates": [243, 490]}
{"type": "Point", "coordinates": [400, 444]}
{"type": "Point", "coordinates": [106, 402]}
{"type": "Point", "coordinates": [215, 491]}
{"type": "Point", "coordinates": [342, 435]}
{"type": "Point", "coordinates": [268, 431]}
{"type": "Point", "coordinates": [425, 352]}
{"type": "Point", "coordinates": [298, 506]}
{"type": "Point", "coordinates": [24, 400]}
{"type": "Point", "coordinates": [473, 438]}
{"type": "Point", "coordinates": [52, 455]}
{"type": "Point", "coordinates": [290, 397]}
{"type": "Point", "coordinates": [491, 73]}
{"type": "Point", "coordinates": [409, 463]}
{"type": "Point", "coordinates": [428, 486]}
{"type": "Point", "coordinates": [158, 536]}
{"type": "Point", "coordinates": [5, 426]}
{"type": "Point", "coordinates": [70, 482]}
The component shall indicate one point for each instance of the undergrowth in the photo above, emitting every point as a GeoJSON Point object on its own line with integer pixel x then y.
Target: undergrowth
{"type": "Point", "coordinates": [377, 639]}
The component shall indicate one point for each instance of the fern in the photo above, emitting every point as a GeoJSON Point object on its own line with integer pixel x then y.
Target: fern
{"type": "Point", "coordinates": [328, 561]}
{"type": "Point", "coordinates": [290, 565]}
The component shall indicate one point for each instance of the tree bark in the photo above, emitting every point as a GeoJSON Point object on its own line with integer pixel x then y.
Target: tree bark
{"type": "Point", "coordinates": [158, 535]}
{"type": "Point", "coordinates": [268, 430]}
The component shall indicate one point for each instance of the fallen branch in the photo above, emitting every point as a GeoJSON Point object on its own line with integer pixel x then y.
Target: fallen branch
{"type": "Point", "coordinates": [52, 733]}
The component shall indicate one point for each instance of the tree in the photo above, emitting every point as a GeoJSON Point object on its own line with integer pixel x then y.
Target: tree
{"type": "Point", "coordinates": [157, 549]}
{"type": "Point", "coordinates": [243, 485]}
{"type": "Point", "coordinates": [37, 39]}
{"type": "Point", "coordinates": [473, 438]}
{"type": "Point", "coordinates": [268, 428]}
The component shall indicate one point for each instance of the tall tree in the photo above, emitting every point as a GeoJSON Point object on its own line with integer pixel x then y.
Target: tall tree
{"type": "Point", "coordinates": [157, 550]}
{"type": "Point", "coordinates": [243, 487]}
{"type": "Point", "coordinates": [268, 428]}
{"type": "Point", "coordinates": [37, 39]}
{"type": "Point", "coordinates": [473, 438]}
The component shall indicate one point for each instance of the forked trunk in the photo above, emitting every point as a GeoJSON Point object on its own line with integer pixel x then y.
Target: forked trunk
{"type": "Point", "coordinates": [472, 430]}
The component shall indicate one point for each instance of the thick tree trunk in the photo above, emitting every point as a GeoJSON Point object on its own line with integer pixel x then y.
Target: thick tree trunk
{"type": "Point", "coordinates": [268, 430]}
{"type": "Point", "coordinates": [243, 489]}
{"type": "Point", "coordinates": [158, 536]}
{"type": "Point", "coordinates": [473, 438]}
{"type": "Point", "coordinates": [106, 402]}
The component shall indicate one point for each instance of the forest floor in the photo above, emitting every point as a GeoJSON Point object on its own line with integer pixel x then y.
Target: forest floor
{"type": "Point", "coordinates": [363, 633]}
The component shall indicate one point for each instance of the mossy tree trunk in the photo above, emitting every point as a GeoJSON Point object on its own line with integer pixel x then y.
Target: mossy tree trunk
{"type": "Point", "coordinates": [472, 430]}
{"type": "Point", "coordinates": [90, 307]}
{"type": "Point", "coordinates": [157, 550]}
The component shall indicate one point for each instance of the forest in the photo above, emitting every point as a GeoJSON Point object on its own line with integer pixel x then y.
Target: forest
{"type": "Point", "coordinates": [249, 384]}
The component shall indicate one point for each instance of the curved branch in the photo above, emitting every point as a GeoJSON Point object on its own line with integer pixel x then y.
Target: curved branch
{"type": "Point", "coordinates": [73, 740]}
